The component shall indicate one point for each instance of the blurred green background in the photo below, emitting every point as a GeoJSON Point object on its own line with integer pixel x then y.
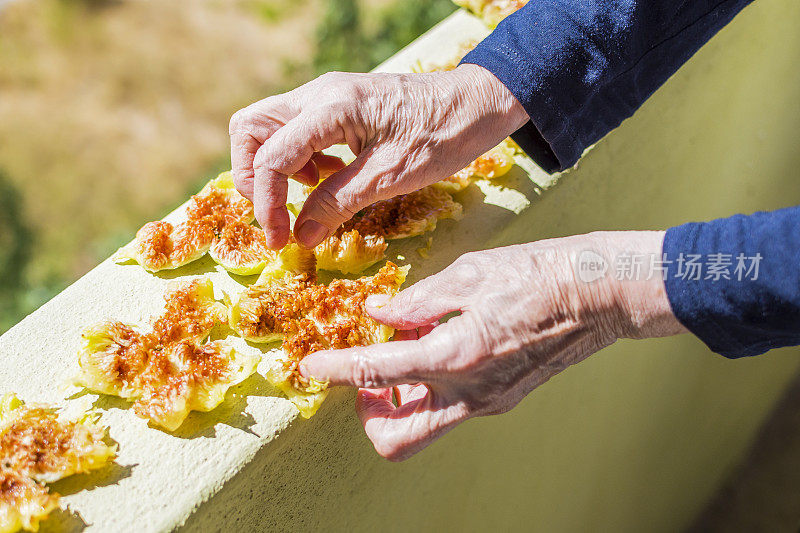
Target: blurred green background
{"type": "Point", "coordinates": [112, 112]}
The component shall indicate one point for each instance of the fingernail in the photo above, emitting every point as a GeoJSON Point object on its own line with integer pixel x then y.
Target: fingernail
{"type": "Point", "coordinates": [311, 233]}
{"type": "Point", "coordinates": [306, 367]}
{"type": "Point", "coordinates": [378, 300]}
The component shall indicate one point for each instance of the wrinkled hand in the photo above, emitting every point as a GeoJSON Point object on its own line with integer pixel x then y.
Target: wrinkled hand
{"type": "Point", "coordinates": [524, 317]}
{"type": "Point", "coordinates": [406, 130]}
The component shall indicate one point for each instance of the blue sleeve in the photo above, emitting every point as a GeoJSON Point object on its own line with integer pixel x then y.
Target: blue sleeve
{"type": "Point", "coordinates": [735, 282]}
{"type": "Point", "coordinates": [580, 67]}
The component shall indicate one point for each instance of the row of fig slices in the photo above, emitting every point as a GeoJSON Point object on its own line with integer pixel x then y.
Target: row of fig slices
{"type": "Point", "coordinates": [172, 368]}
{"type": "Point", "coordinates": [219, 221]}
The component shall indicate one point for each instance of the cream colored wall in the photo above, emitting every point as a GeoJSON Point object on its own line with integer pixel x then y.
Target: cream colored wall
{"type": "Point", "coordinates": [635, 438]}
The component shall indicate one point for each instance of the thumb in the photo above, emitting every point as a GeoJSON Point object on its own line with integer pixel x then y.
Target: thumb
{"type": "Point", "coordinates": [338, 198]}
{"type": "Point", "coordinates": [419, 305]}
{"type": "Point", "coordinates": [290, 150]}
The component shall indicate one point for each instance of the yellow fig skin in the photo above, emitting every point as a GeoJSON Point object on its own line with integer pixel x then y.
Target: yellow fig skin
{"type": "Point", "coordinates": [307, 401]}
{"type": "Point", "coordinates": [161, 245]}
{"type": "Point", "coordinates": [292, 307]}
{"type": "Point", "coordinates": [350, 252]}
{"type": "Point", "coordinates": [38, 445]}
{"type": "Point", "coordinates": [170, 370]}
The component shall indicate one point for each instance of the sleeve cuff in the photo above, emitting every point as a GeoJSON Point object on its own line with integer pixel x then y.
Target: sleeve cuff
{"type": "Point", "coordinates": [734, 282]}
{"type": "Point", "coordinates": [533, 144]}
{"type": "Point", "coordinates": [688, 298]}
{"type": "Point", "coordinates": [546, 138]}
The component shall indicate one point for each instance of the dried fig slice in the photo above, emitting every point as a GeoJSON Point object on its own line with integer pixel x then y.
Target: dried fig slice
{"type": "Point", "coordinates": [23, 502]}
{"type": "Point", "coordinates": [242, 249]}
{"type": "Point", "coordinates": [361, 241]}
{"type": "Point", "coordinates": [38, 445]}
{"type": "Point", "coordinates": [349, 252]}
{"type": "Point", "coordinates": [161, 245]}
{"type": "Point", "coordinates": [406, 215]}
{"type": "Point", "coordinates": [311, 317]}
{"type": "Point", "coordinates": [168, 371]}
{"type": "Point", "coordinates": [220, 202]}
{"type": "Point", "coordinates": [187, 376]}
{"type": "Point", "coordinates": [190, 311]}
{"type": "Point", "coordinates": [455, 183]}
{"type": "Point", "coordinates": [494, 163]}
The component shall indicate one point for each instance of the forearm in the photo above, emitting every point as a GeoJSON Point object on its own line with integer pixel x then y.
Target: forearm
{"type": "Point", "coordinates": [580, 67]}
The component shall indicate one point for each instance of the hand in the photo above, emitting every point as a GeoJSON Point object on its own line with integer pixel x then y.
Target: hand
{"type": "Point", "coordinates": [406, 130]}
{"type": "Point", "coordinates": [524, 317]}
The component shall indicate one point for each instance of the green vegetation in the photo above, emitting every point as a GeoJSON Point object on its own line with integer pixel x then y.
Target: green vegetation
{"type": "Point", "coordinates": [348, 41]}
{"type": "Point", "coordinates": [16, 239]}
{"type": "Point", "coordinates": [341, 44]}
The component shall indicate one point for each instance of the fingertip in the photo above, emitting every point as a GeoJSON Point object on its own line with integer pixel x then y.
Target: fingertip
{"type": "Point", "coordinates": [312, 366]}
{"type": "Point", "coordinates": [377, 306]}
{"type": "Point", "coordinates": [276, 233]}
{"type": "Point", "coordinates": [274, 221]}
{"type": "Point", "coordinates": [385, 315]}
{"type": "Point", "coordinates": [376, 301]}
{"type": "Point", "coordinates": [310, 233]}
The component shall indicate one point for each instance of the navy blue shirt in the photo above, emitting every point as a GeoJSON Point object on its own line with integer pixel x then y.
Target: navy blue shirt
{"type": "Point", "coordinates": [751, 302]}
{"type": "Point", "coordinates": [579, 68]}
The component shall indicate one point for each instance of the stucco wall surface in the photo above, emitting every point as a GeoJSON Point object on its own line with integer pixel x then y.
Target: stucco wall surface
{"type": "Point", "coordinates": [635, 438]}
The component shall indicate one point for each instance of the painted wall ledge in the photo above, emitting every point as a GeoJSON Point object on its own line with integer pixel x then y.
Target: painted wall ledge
{"type": "Point", "coordinates": [637, 436]}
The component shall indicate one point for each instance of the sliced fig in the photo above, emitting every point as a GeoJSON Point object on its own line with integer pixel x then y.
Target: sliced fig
{"type": "Point", "coordinates": [168, 371]}
{"type": "Point", "coordinates": [39, 442]}
{"type": "Point", "coordinates": [349, 252]}
{"type": "Point", "coordinates": [38, 445]}
{"type": "Point", "coordinates": [406, 215]}
{"type": "Point", "coordinates": [23, 502]}
{"type": "Point", "coordinates": [361, 241]}
{"type": "Point", "coordinates": [455, 183]}
{"type": "Point", "coordinates": [190, 312]}
{"type": "Point", "coordinates": [242, 249]}
{"type": "Point", "coordinates": [311, 317]}
{"type": "Point", "coordinates": [220, 202]}
{"type": "Point", "coordinates": [494, 163]}
{"type": "Point", "coordinates": [161, 245]}
{"type": "Point", "coordinates": [191, 377]}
